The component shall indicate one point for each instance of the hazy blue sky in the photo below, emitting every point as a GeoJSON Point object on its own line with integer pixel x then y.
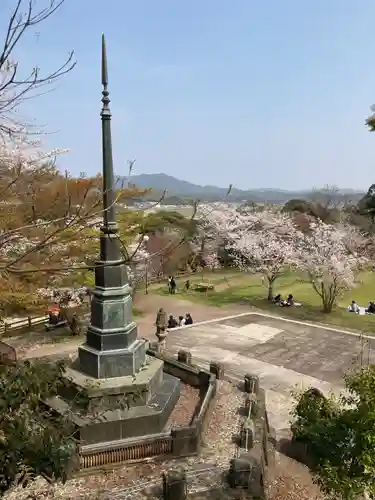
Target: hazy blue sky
{"type": "Point", "coordinates": [270, 93]}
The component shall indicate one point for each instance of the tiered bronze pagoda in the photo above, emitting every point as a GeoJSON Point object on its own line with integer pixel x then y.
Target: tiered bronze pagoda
{"type": "Point", "coordinates": [126, 387]}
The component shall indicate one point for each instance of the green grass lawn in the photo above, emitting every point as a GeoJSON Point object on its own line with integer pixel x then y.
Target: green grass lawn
{"type": "Point", "coordinates": [250, 290]}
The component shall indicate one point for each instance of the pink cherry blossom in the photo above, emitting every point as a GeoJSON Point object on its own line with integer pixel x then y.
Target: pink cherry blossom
{"type": "Point", "coordinates": [269, 243]}
{"type": "Point", "coordinates": [331, 256]}
{"type": "Point", "coordinates": [21, 152]}
{"type": "Point", "coordinates": [139, 257]}
{"type": "Point", "coordinates": [260, 242]}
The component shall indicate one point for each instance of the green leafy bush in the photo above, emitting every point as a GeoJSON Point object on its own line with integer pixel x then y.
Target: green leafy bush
{"type": "Point", "coordinates": [33, 441]}
{"type": "Point", "coordinates": [339, 435]}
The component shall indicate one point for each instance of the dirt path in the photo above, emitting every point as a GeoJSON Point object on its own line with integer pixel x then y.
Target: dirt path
{"type": "Point", "coordinates": [148, 304]}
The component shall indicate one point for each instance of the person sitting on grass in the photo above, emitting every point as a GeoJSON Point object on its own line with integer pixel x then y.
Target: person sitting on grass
{"type": "Point", "coordinates": [354, 307]}
{"type": "Point", "coordinates": [277, 300]}
{"type": "Point", "coordinates": [181, 321]}
{"type": "Point", "coordinates": [172, 322]}
{"type": "Point", "coordinates": [289, 302]}
{"type": "Point", "coordinates": [188, 319]}
{"type": "Point", "coordinates": [371, 308]}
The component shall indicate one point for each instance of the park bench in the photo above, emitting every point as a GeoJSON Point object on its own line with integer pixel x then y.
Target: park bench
{"type": "Point", "coordinates": [203, 287]}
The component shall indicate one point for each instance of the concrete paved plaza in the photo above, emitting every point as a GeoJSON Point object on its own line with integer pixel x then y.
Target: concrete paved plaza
{"type": "Point", "coordinates": [287, 355]}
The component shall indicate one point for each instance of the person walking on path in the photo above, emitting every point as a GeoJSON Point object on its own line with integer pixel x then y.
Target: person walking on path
{"type": "Point", "coordinates": [173, 285]}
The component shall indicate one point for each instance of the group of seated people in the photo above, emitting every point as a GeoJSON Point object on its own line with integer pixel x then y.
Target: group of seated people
{"type": "Point", "coordinates": [173, 322]}
{"type": "Point", "coordinates": [289, 302]}
{"type": "Point", "coordinates": [354, 307]}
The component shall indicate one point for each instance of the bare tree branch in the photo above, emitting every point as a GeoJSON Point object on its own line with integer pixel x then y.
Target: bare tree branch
{"type": "Point", "coordinates": [15, 89]}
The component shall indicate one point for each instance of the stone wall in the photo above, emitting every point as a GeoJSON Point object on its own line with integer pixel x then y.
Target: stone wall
{"type": "Point", "coordinates": [182, 367]}
{"type": "Point", "coordinates": [257, 443]}
{"type": "Point", "coordinates": [248, 471]}
{"type": "Point", "coordinates": [187, 440]}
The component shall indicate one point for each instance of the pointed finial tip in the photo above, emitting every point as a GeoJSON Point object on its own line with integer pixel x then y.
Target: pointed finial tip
{"type": "Point", "coordinates": [104, 62]}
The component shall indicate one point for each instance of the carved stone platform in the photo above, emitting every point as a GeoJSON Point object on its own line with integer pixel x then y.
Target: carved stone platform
{"type": "Point", "coordinates": [120, 407]}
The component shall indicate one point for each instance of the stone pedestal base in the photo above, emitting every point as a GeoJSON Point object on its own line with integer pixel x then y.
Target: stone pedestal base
{"type": "Point", "coordinates": [112, 363]}
{"type": "Point", "coordinates": [120, 407]}
{"type": "Point", "coordinates": [116, 392]}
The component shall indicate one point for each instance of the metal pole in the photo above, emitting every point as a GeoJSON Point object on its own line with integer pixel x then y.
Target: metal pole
{"type": "Point", "coordinates": [146, 278]}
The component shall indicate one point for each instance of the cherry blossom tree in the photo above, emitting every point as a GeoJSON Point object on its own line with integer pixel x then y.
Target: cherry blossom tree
{"type": "Point", "coordinates": [169, 252]}
{"type": "Point", "coordinates": [264, 252]}
{"type": "Point", "coordinates": [49, 224]}
{"type": "Point", "coordinates": [262, 242]}
{"type": "Point", "coordinates": [137, 259]}
{"type": "Point", "coordinates": [331, 256]}
{"type": "Point", "coordinates": [207, 238]}
{"type": "Point", "coordinates": [266, 245]}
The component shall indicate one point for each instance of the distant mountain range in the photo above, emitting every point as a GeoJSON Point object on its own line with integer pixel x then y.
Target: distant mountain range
{"type": "Point", "coordinates": [177, 188]}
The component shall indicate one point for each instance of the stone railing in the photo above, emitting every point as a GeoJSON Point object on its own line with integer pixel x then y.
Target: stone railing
{"type": "Point", "coordinates": [257, 443]}
{"type": "Point", "coordinates": [250, 468]}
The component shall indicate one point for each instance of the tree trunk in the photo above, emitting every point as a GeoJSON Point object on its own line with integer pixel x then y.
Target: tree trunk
{"type": "Point", "coordinates": [328, 305]}
{"type": "Point", "coordinates": [327, 308]}
{"type": "Point", "coordinates": [270, 290]}
{"type": "Point", "coordinates": [328, 298]}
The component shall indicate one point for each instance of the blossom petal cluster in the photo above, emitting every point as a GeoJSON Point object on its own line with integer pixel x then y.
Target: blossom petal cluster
{"type": "Point", "coordinates": [138, 259]}
{"type": "Point", "coordinates": [268, 241]}
{"type": "Point", "coordinates": [23, 153]}
{"type": "Point", "coordinates": [261, 241]}
{"type": "Point", "coordinates": [332, 255]}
